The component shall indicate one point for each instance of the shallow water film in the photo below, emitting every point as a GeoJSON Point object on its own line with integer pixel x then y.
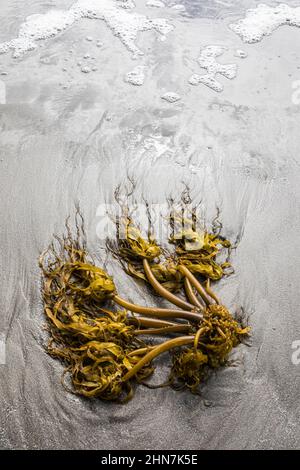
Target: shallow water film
{"type": "Point", "coordinates": [152, 97]}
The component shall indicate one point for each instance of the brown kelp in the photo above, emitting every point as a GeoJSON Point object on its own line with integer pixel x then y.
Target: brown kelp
{"type": "Point", "coordinates": [97, 333]}
{"type": "Point", "coordinates": [197, 249]}
{"type": "Point", "coordinates": [134, 251]}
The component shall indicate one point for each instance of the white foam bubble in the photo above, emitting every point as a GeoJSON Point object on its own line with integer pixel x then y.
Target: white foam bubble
{"type": "Point", "coordinates": [207, 60]}
{"type": "Point", "coordinates": [207, 80]}
{"type": "Point", "coordinates": [178, 7]}
{"type": "Point", "coordinates": [86, 69]}
{"type": "Point", "coordinates": [136, 76]}
{"type": "Point", "coordinates": [171, 97]}
{"type": "Point", "coordinates": [241, 54]}
{"type": "Point", "coordinates": [127, 4]}
{"type": "Point", "coordinates": [263, 20]}
{"type": "Point", "coordinates": [155, 4]}
{"type": "Point", "coordinates": [123, 22]}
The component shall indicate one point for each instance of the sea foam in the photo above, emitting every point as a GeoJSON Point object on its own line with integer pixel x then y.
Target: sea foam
{"type": "Point", "coordinates": [207, 60]}
{"type": "Point", "coordinates": [263, 20]}
{"type": "Point", "coordinates": [118, 16]}
{"type": "Point", "coordinates": [171, 97]}
{"type": "Point", "coordinates": [136, 76]}
{"type": "Point", "coordinates": [155, 4]}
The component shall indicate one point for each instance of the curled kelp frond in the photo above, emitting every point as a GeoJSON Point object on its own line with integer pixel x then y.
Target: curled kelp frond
{"type": "Point", "coordinates": [102, 326]}
{"type": "Point", "coordinates": [97, 369]}
{"type": "Point", "coordinates": [222, 335]}
{"type": "Point", "coordinates": [77, 277]}
{"type": "Point", "coordinates": [166, 273]}
{"type": "Point", "coordinates": [97, 352]}
{"type": "Point", "coordinates": [189, 367]}
{"type": "Point", "coordinates": [131, 245]}
{"type": "Point", "coordinates": [131, 248]}
{"type": "Point", "coordinates": [218, 335]}
{"type": "Point", "coordinates": [198, 250]}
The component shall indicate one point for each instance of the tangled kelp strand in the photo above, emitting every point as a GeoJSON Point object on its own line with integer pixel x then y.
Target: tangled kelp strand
{"type": "Point", "coordinates": [98, 369]}
{"type": "Point", "coordinates": [213, 343]}
{"type": "Point", "coordinates": [188, 369]}
{"type": "Point", "coordinates": [222, 335]}
{"type": "Point", "coordinates": [93, 342]}
{"type": "Point", "coordinates": [132, 245]}
{"type": "Point", "coordinates": [132, 250]}
{"type": "Point", "coordinates": [198, 250]}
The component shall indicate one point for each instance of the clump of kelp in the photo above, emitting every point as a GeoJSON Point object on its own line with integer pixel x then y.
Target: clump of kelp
{"type": "Point", "coordinates": [98, 334]}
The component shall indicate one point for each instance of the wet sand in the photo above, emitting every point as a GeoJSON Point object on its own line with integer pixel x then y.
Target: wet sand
{"type": "Point", "coordinates": [238, 150]}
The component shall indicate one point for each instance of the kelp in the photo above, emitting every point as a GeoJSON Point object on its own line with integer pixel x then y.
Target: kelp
{"type": "Point", "coordinates": [198, 250]}
{"type": "Point", "coordinates": [131, 248]}
{"type": "Point", "coordinates": [100, 344]}
{"type": "Point", "coordinates": [132, 245]}
{"type": "Point", "coordinates": [97, 368]}
{"type": "Point", "coordinates": [218, 335]}
{"type": "Point", "coordinates": [137, 256]}
{"type": "Point", "coordinates": [189, 368]}
{"type": "Point", "coordinates": [93, 342]}
{"type": "Point", "coordinates": [166, 273]}
{"type": "Point", "coordinates": [221, 333]}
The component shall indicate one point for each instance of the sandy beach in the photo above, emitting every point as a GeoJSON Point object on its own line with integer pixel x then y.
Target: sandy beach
{"type": "Point", "coordinates": [73, 127]}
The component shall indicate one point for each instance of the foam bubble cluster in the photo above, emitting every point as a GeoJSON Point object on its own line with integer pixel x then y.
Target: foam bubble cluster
{"type": "Point", "coordinates": [136, 76]}
{"type": "Point", "coordinates": [241, 54]}
{"type": "Point", "coordinates": [207, 60]}
{"type": "Point", "coordinates": [155, 4]}
{"type": "Point", "coordinates": [128, 4]}
{"type": "Point", "coordinates": [263, 20]}
{"type": "Point", "coordinates": [171, 97]}
{"type": "Point", "coordinates": [119, 17]}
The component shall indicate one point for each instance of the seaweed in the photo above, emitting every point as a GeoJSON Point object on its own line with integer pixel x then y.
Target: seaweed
{"type": "Point", "coordinates": [97, 333]}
